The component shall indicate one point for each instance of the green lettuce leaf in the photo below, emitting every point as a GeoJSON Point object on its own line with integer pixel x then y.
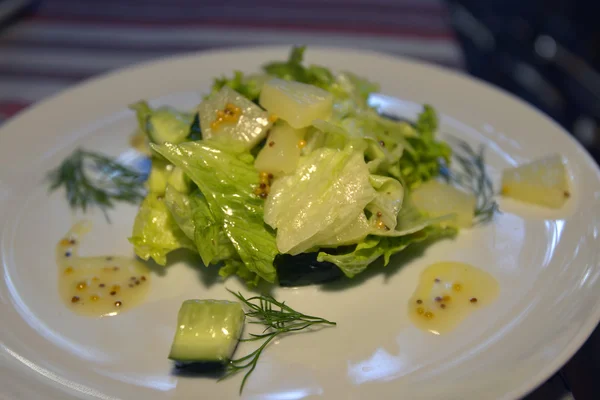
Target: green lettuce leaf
{"type": "Point", "coordinates": [388, 202]}
{"type": "Point", "coordinates": [325, 196]}
{"type": "Point", "coordinates": [237, 267]}
{"type": "Point", "coordinates": [192, 214]}
{"type": "Point", "coordinates": [180, 206]}
{"type": "Point", "coordinates": [373, 247]}
{"type": "Point", "coordinates": [248, 86]}
{"type": "Point", "coordinates": [293, 70]}
{"type": "Point", "coordinates": [350, 91]}
{"type": "Point", "coordinates": [211, 240]}
{"type": "Point", "coordinates": [424, 161]}
{"type": "Point", "coordinates": [356, 261]}
{"type": "Point", "coordinates": [156, 233]}
{"type": "Point", "coordinates": [224, 173]}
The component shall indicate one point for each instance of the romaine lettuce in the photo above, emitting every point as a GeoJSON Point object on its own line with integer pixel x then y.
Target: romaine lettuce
{"type": "Point", "coordinates": [225, 174]}
{"type": "Point", "coordinates": [293, 70]}
{"type": "Point", "coordinates": [155, 231]}
{"type": "Point", "coordinates": [180, 206]}
{"type": "Point", "coordinates": [423, 163]}
{"type": "Point", "coordinates": [325, 196]}
{"type": "Point", "coordinates": [237, 267]}
{"type": "Point", "coordinates": [386, 205]}
{"type": "Point", "coordinates": [373, 247]}
{"type": "Point", "coordinates": [195, 219]}
{"type": "Point", "coordinates": [248, 86]}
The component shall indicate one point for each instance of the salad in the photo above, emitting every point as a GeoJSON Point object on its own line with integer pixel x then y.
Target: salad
{"type": "Point", "coordinates": [287, 177]}
{"type": "Point", "coordinates": [291, 177]}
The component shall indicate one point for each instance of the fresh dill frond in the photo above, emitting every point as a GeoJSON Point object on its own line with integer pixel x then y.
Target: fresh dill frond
{"type": "Point", "coordinates": [92, 179]}
{"type": "Point", "coordinates": [469, 172]}
{"type": "Point", "coordinates": [278, 318]}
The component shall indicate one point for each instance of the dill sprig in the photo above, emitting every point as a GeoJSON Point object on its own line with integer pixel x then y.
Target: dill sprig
{"type": "Point", "coordinates": [470, 174]}
{"type": "Point", "coordinates": [278, 319]}
{"type": "Point", "coordinates": [93, 179]}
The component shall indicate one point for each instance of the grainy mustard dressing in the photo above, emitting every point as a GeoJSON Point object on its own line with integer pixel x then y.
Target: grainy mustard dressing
{"type": "Point", "coordinates": [447, 293]}
{"type": "Point", "coordinates": [98, 286]}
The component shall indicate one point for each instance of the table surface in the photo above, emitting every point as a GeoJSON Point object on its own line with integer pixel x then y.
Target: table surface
{"type": "Point", "coordinates": [52, 45]}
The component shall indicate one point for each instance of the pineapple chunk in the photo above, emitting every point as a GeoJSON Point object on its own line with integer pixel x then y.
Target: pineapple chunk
{"type": "Point", "coordinates": [282, 150]}
{"type": "Point", "coordinates": [543, 182]}
{"type": "Point", "coordinates": [437, 199]}
{"type": "Point", "coordinates": [229, 114]}
{"type": "Point", "coordinates": [296, 103]}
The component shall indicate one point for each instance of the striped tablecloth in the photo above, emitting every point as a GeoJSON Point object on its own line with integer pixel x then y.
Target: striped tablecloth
{"type": "Point", "coordinates": [61, 42]}
{"type": "Point", "coordinates": [65, 41]}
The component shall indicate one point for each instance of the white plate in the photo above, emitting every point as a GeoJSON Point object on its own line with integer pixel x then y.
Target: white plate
{"type": "Point", "coordinates": [546, 263]}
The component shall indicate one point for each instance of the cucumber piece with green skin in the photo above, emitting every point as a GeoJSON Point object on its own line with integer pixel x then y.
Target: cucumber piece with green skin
{"type": "Point", "coordinates": [208, 331]}
{"type": "Point", "coordinates": [163, 124]}
{"type": "Point", "coordinates": [159, 176]}
{"type": "Point", "coordinates": [179, 180]}
{"type": "Point", "coordinates": [167, 125]}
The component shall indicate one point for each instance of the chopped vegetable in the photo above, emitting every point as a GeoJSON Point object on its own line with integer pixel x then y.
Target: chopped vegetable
{"type": "Point", "coordinates": [248, 86]}
{"type": "Point", "coordinates": [366, 252]}
{"type": "Point", "coordinates": [543, 182]}
{"type": "Point", "coordinates": [327, 193]}
{"type": "Point", "coordinates": [163, 124]}
{"type": "Point", "coordinates": [207, 331]}
{"type": "Point", "coordinates": [164, 173]}
{"type": "Point", "coordinates": [179, 180]}
{"type": "Point", "coordinates": [159, 176]}
{"type": "Point", "coordinates": [155, 231]}
{"type": "Point", "coordinates": [224, 173]}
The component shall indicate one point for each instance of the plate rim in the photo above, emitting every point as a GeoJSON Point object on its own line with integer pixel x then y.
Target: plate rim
{"type": "Point", "coordinates": [528, 385]}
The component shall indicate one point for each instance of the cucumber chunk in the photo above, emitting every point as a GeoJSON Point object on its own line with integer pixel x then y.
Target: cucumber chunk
{"type": "Point", "coordinates": [167, 125]}
{"type": "Point", "coordinates": [208, 331]}
{"type": "Point", "coordinates": [179, 180]}
{"type": "Point", "coordinates": [159, 176]}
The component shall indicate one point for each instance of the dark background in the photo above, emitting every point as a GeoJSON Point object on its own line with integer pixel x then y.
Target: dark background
{"type": "Point", "coordinates": [544, 51]}
{"type": "Point", "coordinates": [548, 53]}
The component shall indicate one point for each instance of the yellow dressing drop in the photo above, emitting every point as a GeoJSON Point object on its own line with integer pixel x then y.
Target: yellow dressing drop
{"type": "Point", "coordinates": [447, 293]}
{"type": "Point", "coordinates": [98, 286]}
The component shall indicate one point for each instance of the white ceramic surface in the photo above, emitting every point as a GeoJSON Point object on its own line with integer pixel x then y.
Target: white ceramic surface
{"type": "Point", "coordinates": [546, 262]}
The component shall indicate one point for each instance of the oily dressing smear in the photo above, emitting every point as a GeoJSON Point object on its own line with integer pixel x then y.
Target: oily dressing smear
{"type": "Point", "coordinates": [98, 286]}
{"type": "Point", "coordinates": [447, 293]}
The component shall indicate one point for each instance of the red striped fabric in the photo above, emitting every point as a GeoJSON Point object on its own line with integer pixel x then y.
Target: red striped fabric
{"type": "Point", "coordinates": [66, 41]}
{"type": "Point", "coordinates": [10, 108]}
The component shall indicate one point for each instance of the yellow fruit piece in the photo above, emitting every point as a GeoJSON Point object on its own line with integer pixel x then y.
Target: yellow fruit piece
{"type": "Point", "coordinates": [281, 152]}
{"type": "Point", "coordinates": [543, 182]}
{"type": "Point", "coordinates": [437, 199]}
{"type": "Point", "coordinates": [296, 103]}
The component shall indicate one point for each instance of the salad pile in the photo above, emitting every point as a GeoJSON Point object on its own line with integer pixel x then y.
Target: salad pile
{"type": "Point", "coordinates": [290, 177]}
